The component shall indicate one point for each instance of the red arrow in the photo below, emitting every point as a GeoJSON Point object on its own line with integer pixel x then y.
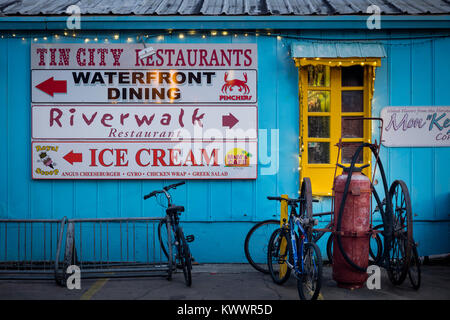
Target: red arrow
{"type": "Point", "coordinates": [229, 121]}
{"type": "Point", "coordinates": [73, 157]}
{"type": "Point", "coordinates": [51, 86]}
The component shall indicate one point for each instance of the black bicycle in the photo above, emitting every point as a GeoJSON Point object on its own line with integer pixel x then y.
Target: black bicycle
{"type": "Point", "coordinates": [183, 258]}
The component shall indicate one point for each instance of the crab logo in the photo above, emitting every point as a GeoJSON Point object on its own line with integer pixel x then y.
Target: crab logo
{"type": "Point", "coordinates": [230, 84]}
{"type": "Point", "coordinates": [235, 89]}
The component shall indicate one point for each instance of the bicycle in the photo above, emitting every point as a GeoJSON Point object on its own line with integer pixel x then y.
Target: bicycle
{"type": "Point", "coordinates": [296, 251]}
{"type": "Point", "coordinates": [255, 244]}
{"type": "Point", "coordinates": [183, 258]}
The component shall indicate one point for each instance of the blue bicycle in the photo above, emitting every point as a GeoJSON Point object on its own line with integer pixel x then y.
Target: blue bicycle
{"type": "Point", "coordinates": [291, 247]}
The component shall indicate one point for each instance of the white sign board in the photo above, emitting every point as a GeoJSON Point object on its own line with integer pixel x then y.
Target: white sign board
{"type": "Point", "coordinates": [101, 73]}
{"type": "Point", "coordinates": [143, 160]}
{"type": "Point", "coordinates": [100, 112]}
{"type": "Point", "coordinates": [416, 126]}
{"type": "Point", "coordinates": [143, 122]}
{"type": "Point", "coordinates": [138, 86]}
{"type": "Point", "coordinates": [72, 56]}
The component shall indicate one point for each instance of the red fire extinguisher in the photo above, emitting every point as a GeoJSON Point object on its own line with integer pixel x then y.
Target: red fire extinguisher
{"type": "Point", "coordinates": [352, 225]}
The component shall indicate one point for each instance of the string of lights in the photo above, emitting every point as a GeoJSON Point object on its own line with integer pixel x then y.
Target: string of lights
{"type": "Point", "coordinates": [182, 34]}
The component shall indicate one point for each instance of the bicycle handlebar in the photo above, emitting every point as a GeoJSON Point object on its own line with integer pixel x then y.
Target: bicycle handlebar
{"type": "Point", "coordinates": [284, 199]}
{"type": "Point", "coordinates": [164, 190]}
{"type": "Point", "coordinates": [175, 185]}
{"type": "Point", "coordinates": [151, 194]}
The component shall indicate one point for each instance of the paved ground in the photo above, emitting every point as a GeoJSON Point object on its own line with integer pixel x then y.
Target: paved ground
{"type": "Point", "coordinates": [225, 282]}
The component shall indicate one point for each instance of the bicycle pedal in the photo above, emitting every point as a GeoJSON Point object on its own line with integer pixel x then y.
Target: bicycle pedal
{"type": "Point", "coordinates": [190, 238]}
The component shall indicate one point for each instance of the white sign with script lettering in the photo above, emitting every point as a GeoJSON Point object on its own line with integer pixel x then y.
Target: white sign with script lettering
{"type": "Point", "coordinates": [416, 126]}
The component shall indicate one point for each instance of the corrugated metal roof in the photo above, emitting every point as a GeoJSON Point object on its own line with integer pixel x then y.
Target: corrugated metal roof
{"type": "Point", "coordinates": [305, 49]}
{"type": "Point", "coordinates": [223, 7]}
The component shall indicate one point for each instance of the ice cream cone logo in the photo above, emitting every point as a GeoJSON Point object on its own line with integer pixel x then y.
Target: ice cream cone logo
{"type": "Point", "coordinates": [45, 156]}
{"type": "Point", "coordinates": [237, 157]}
{"type": "Point", "coordinates": [46, 160]}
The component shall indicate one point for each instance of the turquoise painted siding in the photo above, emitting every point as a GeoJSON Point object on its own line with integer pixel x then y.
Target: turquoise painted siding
{"type": "Point", "coordinates": [220, 213]}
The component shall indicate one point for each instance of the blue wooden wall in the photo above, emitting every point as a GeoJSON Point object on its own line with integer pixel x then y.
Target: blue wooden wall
{"type": "Point", "coordinates": [220, 213]}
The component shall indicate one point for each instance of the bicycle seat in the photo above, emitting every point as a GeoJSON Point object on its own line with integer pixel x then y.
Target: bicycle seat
{"type": "Point", "coordinates": [175, 209]}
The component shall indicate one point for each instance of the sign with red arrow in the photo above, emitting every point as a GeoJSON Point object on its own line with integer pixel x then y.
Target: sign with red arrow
{"type": "Point", "coordinates": [143, 122]}
{"type": "Point", "coordinates": [72, 157]}
{"type": "Point", "coordinates": [51, 86]}
{"type": "Point", "coordinates": [144, 160]}
{"type": "Point", "coordinates": [114, 73]}
{"type": "Point", "coordinates": [98, 111]}
{"type": "Point", "coordinates": [229, 120]}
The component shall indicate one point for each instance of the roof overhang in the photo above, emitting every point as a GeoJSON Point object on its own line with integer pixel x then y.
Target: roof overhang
{"type": "Point", "coordinates": [337, 49]}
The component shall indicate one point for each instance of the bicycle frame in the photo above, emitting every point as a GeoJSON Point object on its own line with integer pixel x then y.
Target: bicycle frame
{"type": "Point", "coordinates": [169, 198]}
{"type": "Point", "coordinates": [295, 220]}
{"type": "Point", "coordinates": [174, 223]}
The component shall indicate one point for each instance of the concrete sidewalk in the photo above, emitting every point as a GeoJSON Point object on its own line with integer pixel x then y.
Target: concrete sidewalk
{"type": "Point", "coordinates": [225, 282]}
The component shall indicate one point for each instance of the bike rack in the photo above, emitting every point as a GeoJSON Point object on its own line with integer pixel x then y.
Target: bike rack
{"type": "Point", "coordinates": [38, 248]}
{"type": "Point", "coordinates": [104, 247]}
{"type": "Point", "coordinates": [116, 248]}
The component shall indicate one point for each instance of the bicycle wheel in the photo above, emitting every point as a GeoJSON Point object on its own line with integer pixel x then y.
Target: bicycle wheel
{"type": "Point", "coordinates": [402, 232]}
{"type": "Point", "coordinates": [279, 252]}
{"type": "Point", "coordinates": [256, 241]}
{"type": "Point", "coordinates": [306, 204]}
{"type": "Point", "coordinates": [162, 236]}
{"type": "Point", "coordinates": [310, 281]}
{"type": "Point", "coordinates": [184, 256]}
{"type": "Point", "coordinates": [414, 272]}
{"type": "Point", "coordinates": [330, 248]}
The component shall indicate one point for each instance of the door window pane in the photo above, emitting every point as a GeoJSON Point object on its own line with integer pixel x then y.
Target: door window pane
{"type": "Point", "coordinates": [352, 101]}
{"type": "Point", "coordinates": [348, 150]}
{"type": "Point", "coordinates": [353, 76]}
{"type": "Point", "coordinates": [318, 152]}
{"type": "Point", "coordinates": [319, 127]}
{"type": "Point", "coordinates": [318, 76]}
{"type": "Point", "coordinates": [319, 101]}
{"type": "Point", "coordinates": [352, 128]}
